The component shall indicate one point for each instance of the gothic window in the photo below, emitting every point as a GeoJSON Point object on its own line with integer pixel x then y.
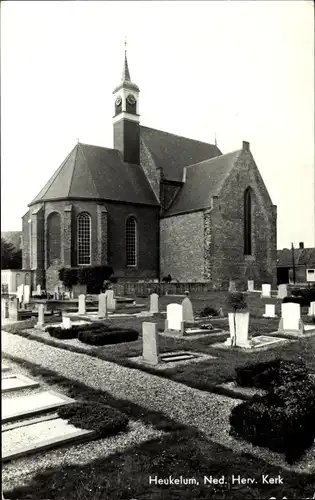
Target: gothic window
{"type": "Point", "coordinates": [84, 239]}
{"type": "Point", "coordinates": [131, 241]}
{"type": "Point", "coordinates": [54, 238]}
{"type": "Point", "coordinates": [248, 222]}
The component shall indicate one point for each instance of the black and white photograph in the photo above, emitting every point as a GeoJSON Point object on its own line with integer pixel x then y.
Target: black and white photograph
{"type": "Point", "coordinates": [158, 250]}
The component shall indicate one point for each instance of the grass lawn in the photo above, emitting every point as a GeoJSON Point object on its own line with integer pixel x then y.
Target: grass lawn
{"type": "Point", "coordinates": [181, 452]}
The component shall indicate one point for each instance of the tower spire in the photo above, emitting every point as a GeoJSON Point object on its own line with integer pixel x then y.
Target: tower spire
{"type": "Point", "coordinates": [125, 74]}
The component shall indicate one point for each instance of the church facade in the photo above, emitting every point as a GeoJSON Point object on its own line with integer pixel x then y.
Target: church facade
{"type": "Point", "coordinates": [155, 204]}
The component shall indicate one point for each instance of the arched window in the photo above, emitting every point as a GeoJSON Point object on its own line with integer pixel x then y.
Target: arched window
{"type": "Point", "coordinates": [248, 222]}
{"type": "Point", "coordinates": [54, 238]}
{"type": "Point", "coordinates": [131, 241]}
{"type": "Point", "coordinates": [84, 239]}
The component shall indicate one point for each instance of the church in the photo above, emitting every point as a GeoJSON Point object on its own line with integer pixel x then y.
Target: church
{"type": "Point", "coordinates": [155, 204]}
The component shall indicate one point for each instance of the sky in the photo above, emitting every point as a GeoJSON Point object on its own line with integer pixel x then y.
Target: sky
{"type": "Point", "coordinates": [237, 70]}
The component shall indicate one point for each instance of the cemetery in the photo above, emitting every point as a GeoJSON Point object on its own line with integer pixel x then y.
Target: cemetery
{"type": "Point", "coordinates": [246, 351]}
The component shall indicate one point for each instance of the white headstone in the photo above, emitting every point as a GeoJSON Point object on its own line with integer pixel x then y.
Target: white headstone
{"type": "Point", "coordinates": [232, 286]}
{"type": "Point", "coordinates": [150, 344]}
{"type": "Point", "coordinates": [290, 315]}
{"type": "Point", "coordinates": [270, 311]}
{"type": "Point", "coordinates": [188, 314]}
{"type": "Point", "coordinates": [82, 304]}
{"type": "Point", "coordinates": [282, 291]}
{"type": "Point", "coordinates": [20, 293]}
{"type": "Point", "coordinates": [250, 286]}
{"type": "Point", "coordinates": [311, 309]}
{"type": "Point", "coordinates": [13, 309]}
{"type": "Point", "coordinates": [27, 293]}
{"type": "Point", "coordinates": [102, 305]}
{"type": "Point", "coordinates": [174, 315]}
{"type": "Point", "coordinates": [38, 290]}
{"type": "Point", "coordinates": [239, 336]}
{"type": "Point", "coordinates": [66, 322]}
{"type": "Point", "coordinates": [111, 302]}
{"type": "Point", "coordinates": [154, 303]}
{"type": "Point", "coordinates": [41, 316]}
{"type": "Point", "coordinates": [266, 290]}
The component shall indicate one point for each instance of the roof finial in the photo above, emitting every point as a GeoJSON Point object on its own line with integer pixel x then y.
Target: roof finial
{"type": "Point", "coordinates": [125, 44]}
{"type": "Point", "coordinates": [78, 140]}
{"type": "Point", "coordinates": [125, 75]}
{"type": "Point", "coordinates": [215, 139]}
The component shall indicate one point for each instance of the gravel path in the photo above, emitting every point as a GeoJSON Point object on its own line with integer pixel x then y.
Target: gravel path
{"type": "Point", "coordinates": [206, 411]}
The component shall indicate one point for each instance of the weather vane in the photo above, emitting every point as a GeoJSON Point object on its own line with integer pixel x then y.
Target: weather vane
{"type": "Point", "coordinates": [125, 43]}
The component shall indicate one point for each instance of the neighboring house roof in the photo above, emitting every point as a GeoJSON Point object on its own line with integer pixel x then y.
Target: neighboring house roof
{"type": "Point", "coordinates": [173, 152]}
{"type": "Point", "coordinates": [13, 237]}
{"type": "Point", "coordinates": [203, 181]}
{"type": "Point", "coordinates": [93, 172]}
{"type": "Point", "coordinates": [302, 257]}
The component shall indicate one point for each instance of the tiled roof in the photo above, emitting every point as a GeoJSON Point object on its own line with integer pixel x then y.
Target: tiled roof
{"type": "Point", "coordinates": [93, 172]}
{"type": "Point", "coordinates": [203, 181]}
{"type": "Point", "coordinates": [172, 152]}
{"type": "Point", "coordinates": [302, 256]}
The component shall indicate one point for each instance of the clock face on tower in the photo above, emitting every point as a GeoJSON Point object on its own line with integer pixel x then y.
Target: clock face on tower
{"type": "Point", "coordinates": [118, 101]}
{"type": "Point", "coordinates": [131, 99]}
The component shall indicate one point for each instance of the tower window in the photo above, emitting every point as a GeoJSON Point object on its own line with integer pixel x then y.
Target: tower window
{"type": "Point", "coordinates": [131, 242]}
{"type": "Point", "coordinates": [248, 222]}
{"type": "Point", "coordinates": [84, 239]}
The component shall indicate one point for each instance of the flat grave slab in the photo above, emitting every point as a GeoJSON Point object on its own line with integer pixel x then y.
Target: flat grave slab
{"type": "Point", "coordinates": [39, 436]}
{"type": "Point", "coordinates": [23, 406]}
{"type": "Point", "coordinates": [260, 342]}
{"type": "Point", "coordinates": [248, 392]}
{"type": "Point", "coordinates": [191, 334]}
{"type": "Point", "coordinates": [5, 368]}
{"type": "Point", "coordinates": [16, 381]}
{"type": "Point", "coordinates": [176, 358]}
{"type": "Point", "coordinates": [308, 332]}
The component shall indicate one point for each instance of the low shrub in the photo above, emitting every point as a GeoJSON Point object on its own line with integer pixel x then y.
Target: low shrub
{"type": "Point", "coordinates": [296, 300]}
{"type": "Point", "coordinates": [267, 375]}
{"type": "Point", "coordinates": [307, 294]}
{"type": "Point", "coordinates": [103, 419]}
{"type": "Point", "coordinates": [208, 311]}
{"type": "Point", "coordinates": [110, 336]}
{"type": "Point", "coordinates": [283, 420]}
{"type": "Point", "coordinates": [63, 333]}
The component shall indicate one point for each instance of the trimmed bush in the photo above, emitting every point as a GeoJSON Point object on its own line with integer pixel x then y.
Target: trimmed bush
{"type": "Point", "coordinates": [270, 374]}
{"type": "Point", "coordinates": [102, 419]}
{"type": "Point", "coordinates": [283, 420]}
{"type": "Point", "coordinates": [236, 302]}
{"type": "Point", "coordinates": [208, 311]}
{"type": "Point", "coordinates": [110, 336]}
{"type": "Point", "coordinates": [63, 333]}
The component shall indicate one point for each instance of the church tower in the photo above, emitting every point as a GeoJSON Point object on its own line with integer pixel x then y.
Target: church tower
{"type": "Point", "coordinates": [126, 120]}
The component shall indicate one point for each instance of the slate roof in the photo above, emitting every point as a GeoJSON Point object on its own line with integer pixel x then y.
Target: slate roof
{"type": "Point", "coordinates": [203, 181]}
{"type": "Point", "coordinates": [173, 152]}
{"type": "Point", "coordinates": [302, 256]}
{"type": "Point", "coordinates": [93, 172]}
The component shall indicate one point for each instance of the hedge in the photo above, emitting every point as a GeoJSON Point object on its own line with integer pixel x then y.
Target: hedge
{"type": "Point", "coordinates": [110, 336]}
{"type": "Point", "coordinates": [103, 419]}
{"type": "Point", "coordinates": [70, 333]}
{"type": "Point", "coordinates": [268, 374]}
{"type": "Point", "coordinates": [283, 420]}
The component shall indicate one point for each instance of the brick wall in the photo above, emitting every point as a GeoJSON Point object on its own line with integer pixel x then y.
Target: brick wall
{"type": "Point", "coordinates": [25, 241]}
{"type": "Point", "coordinates": [182, 247]}
{"type": "Point", "coordinates": [226, 255]}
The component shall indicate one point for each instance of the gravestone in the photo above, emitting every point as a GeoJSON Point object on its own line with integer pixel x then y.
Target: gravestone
{"type": "Point", "coordinates": [250, 286]}
{"type": "Point", "coordinates": [239, 337]}
{"type": "Point", "coordinates": [13, 309]}
{"type": "Point", "coordinates": [266, 290]}
{"type": "Point", "coordinates": [41, 316]}
{"type": "Point", "coordinates": [282, 291]}
{"type": "Point", "coordinates": [154, 303]}
{"type": "Point", "coordinates": [174, 318]}
{"type": "Point", "coordinates": [82, 304]}
{"type": "Point", "coordinates": [188, 314]}
{"type": "Point", "coordinates": [221, 312]}
{"type": "Point", "coordinates": [270, 311]}
{"type": "Point", "coordinates": [26, 295]}
{"type": "Point", "coordinates": [20, 293]}
{"type": "Point", "coordinates": [102, 305]}
{"type": "Point", "coordinates": [38, 290]}
{"type": "Point", "coordinates": [66, 322]}
{"type": "Point", "coordinates": [232, 286]}
{"type": "Point", "coordinates": [290, 321]}
{"type": "Point", "coordinates": [111, 302]}
{"type": "Point", "coordinates": [311, 309]}
{"type": "Point", "coordinates": [150, 345]}
{"type": "Point", "coordinates": [5, 308]}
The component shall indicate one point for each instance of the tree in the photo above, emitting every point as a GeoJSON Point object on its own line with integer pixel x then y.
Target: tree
{"type": "Point", "coordinates": [11, 257]}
